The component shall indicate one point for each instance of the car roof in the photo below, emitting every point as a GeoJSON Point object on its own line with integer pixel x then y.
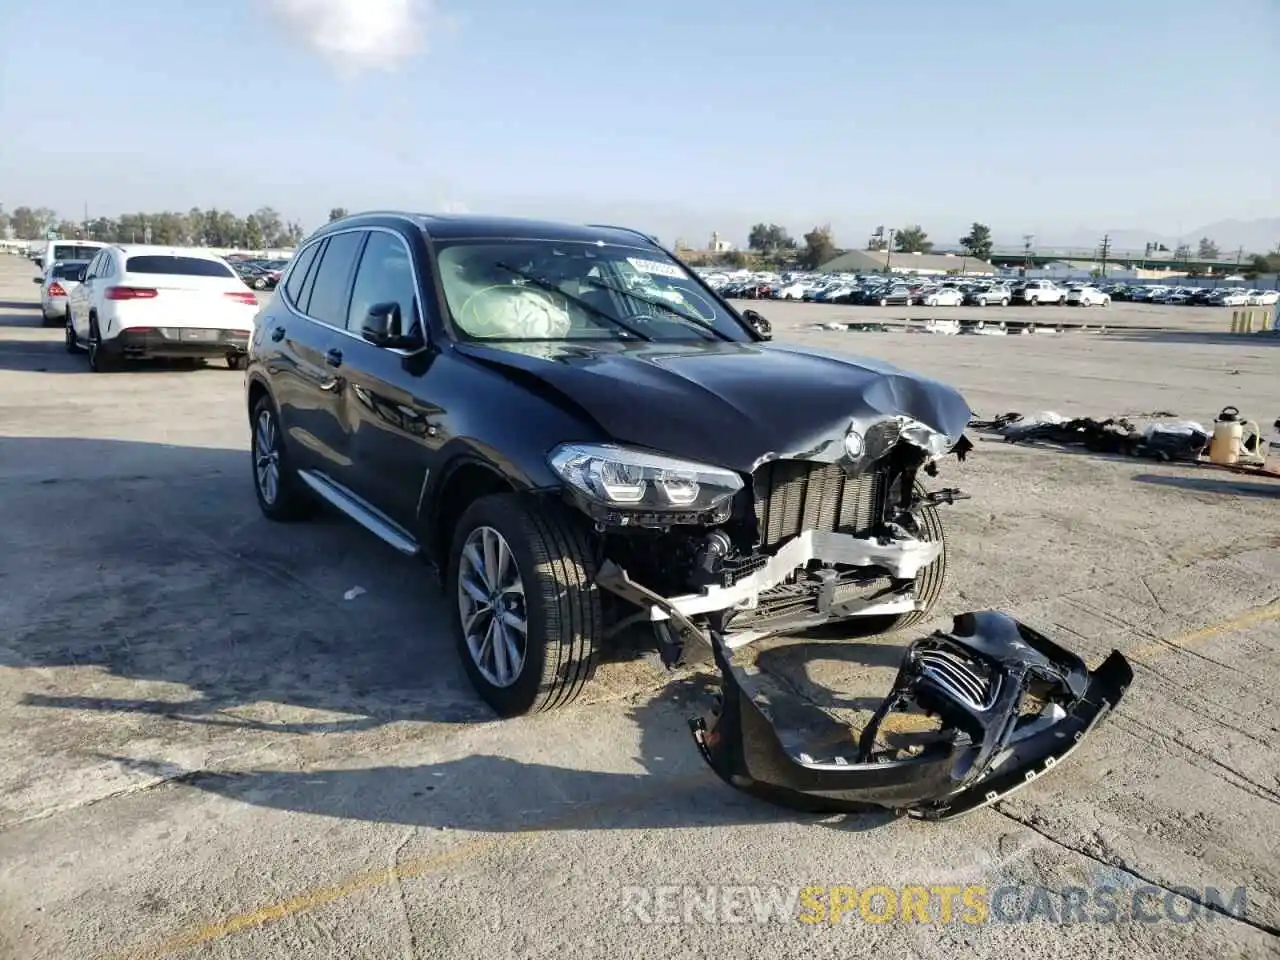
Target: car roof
{"type": "Point", "coordinates": [451, 226]}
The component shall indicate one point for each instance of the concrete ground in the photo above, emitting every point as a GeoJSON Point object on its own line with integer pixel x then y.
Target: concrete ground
{"type": "Point", "coordinates": [207, 752]}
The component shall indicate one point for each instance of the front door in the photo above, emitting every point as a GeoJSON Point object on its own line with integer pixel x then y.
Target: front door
{"type": "Point", "coordinates": [390, 420]}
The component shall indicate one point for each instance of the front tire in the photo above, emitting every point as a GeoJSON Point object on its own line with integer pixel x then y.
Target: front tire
{"type": "Point", "coordinates": [528, 616]}
{"type": "Point", "coordinates": [930, 582]}
{"type": "Point", "coordinates": [69, 333]}
{"type": "Point", "coordinates": [282, 496]}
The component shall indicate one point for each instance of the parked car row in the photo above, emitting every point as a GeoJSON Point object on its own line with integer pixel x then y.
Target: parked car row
{"type": "Point", "coordinates": [886, 291]}
{"type": "Point", "coordinates": [1194, 296]}
{"type": "Point", "coordinates": [258, 273]}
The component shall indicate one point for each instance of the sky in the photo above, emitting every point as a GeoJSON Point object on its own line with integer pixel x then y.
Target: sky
{"type": "Point", "coordinates": [1060, 119]}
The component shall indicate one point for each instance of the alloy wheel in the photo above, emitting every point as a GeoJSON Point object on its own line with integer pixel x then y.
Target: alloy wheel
{"type": "Point", "coordinates": [492, 607]}
{"type": "Point", "coordinates": [266, 457]}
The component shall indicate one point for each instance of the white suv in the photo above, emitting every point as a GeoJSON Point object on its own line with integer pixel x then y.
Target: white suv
{"type": "Point", "coordinates": [144, 301]}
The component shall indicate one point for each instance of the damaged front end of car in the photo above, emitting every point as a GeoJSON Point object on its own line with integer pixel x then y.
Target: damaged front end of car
{"type": "Point", "coordinates": [1003, 704]}
{"type": "Point", "coordinates": [713, 560]}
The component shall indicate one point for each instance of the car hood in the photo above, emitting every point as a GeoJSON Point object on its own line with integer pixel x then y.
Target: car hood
{"type": "Point", "coordinates": [727, 403]}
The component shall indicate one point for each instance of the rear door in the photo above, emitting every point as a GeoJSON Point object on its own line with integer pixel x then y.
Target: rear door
{"type": "Point", "coordinates": [388, 409]}
{"type": "Point", "coordinates": [309, 326]}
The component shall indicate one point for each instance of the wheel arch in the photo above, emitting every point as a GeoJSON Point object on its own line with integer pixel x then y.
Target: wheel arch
{"type": "Point", "coordinates": [460, 483]}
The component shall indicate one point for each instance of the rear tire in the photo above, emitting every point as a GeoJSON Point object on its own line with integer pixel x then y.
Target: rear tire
{"type": "Point", "coordinates": [237, 361]}
{"type": "Point", "coordinates": [100, 361]}
{"type": "Point", "coordinates": [555, 567]}
{"type": "Point", "coordinates": [287, 499]}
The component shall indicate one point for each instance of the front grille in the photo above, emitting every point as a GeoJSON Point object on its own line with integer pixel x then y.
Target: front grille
{"type": "Point", "coordinates": [797, 495]}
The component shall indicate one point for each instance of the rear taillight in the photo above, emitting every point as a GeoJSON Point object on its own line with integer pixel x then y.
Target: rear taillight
{"type": "Point", "coordinates": [131, 293]}
{"type": "Point", "coordinates": [246, 297]}
{"type": "Point", "coordinates": [57, 290]}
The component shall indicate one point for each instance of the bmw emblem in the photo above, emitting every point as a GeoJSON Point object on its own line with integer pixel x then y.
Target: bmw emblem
{"type": "Point", "coordinates": [853, 444]}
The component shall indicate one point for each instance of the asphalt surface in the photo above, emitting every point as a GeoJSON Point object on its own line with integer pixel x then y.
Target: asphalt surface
{"type": "Point", "coordinates": [206, 751]}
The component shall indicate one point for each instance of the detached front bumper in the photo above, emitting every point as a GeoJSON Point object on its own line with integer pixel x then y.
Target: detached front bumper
{"type": "Point", "coordinates": [978, 681]}
{"type": "Point", "coordinates": [137, 343]}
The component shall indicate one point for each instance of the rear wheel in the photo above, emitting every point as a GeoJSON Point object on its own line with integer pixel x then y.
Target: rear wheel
{"type": "Point", "coordinates": [282, 496]}
{"type": "Point", "coordinates": [237, 361]}
{"type": "Point", "coordinates": [522, 575]}
{"type": "Point", "coordinates": [100, 361]}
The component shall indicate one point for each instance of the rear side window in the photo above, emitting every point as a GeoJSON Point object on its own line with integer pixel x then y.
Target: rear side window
{"type": "Point", "coordinates": [298, 273]}
{"type": "Point", "coordinates": [178, 266]}
{"type": "Point", "coordinates": [72, 251]}
{"type": "Point", "coordinates": [67, 271]}
{"type": "Point", "coordinates": [331, 288]}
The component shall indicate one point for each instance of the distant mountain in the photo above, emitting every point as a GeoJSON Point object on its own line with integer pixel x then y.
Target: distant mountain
{"type": "Point", "coordinates": [1256, 236]}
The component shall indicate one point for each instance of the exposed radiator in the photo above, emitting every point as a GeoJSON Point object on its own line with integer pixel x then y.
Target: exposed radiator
{"type": "Point", "coordinates": [796, 495]}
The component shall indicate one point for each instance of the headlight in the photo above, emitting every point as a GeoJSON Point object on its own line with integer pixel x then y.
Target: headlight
{"type": "Point", "coordinates": [638, 480]}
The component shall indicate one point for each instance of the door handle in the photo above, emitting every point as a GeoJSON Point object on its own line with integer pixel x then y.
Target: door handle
{"type": "Point", "coordinates": [333, 358]}
{"type": "Point", "coordinates": [277, 334]}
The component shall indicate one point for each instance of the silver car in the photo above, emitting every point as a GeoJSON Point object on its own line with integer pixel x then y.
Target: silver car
{"type": "Point", "coordinates": [56, 285]}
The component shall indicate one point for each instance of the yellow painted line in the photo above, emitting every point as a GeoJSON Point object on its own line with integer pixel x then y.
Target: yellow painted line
{"type": "Point", "coordinates": [1249, 618]}
{"type": "Point", "coordinates": [372, 879]}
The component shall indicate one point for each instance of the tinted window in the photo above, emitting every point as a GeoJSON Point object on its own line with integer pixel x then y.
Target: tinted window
{"type": "Point", "coordinates": [298, 274]}
{"type": "Point", "coordinates": [179, 266]}
{"type": "Point", "coordinates": [67, 271]}
{"type": "Point", "coordinates": [73, 251]}
{"type": "Point", "coordinates": [330, 289]}
{"type": "Point", "coordinates": [384, 276]}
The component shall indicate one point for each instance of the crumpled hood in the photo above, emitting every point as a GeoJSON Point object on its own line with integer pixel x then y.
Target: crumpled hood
{"type": "Point", "coordinates": [729, 404]}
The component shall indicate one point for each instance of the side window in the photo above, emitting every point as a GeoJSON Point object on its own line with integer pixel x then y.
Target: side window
{"type": "Point", "coordinates": [298, 273]}
{"type": "Point", "coordinates": [91, 271]}
{"type": "Point", "coordinates": [107, 267]}
{"type": "Point", "coordinates": [331, 288]}
{"type": "Point", "coordinates": [384, 276]}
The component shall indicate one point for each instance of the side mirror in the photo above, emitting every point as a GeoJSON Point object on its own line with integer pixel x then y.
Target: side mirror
{"type": "Point", "coordinates": [40, 262]}
{"type": "Point", "coordinates": [757, 322]}
{"type": "Point", "coordinates": [37, 280]}
{"type": "Point", "coordinates": [383, 327]}
{"type": "Point", "coordinates": [81, 275]}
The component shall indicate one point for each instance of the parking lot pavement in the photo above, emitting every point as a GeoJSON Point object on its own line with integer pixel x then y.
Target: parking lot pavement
{"type": "Point", "coordinates": [206, 751]}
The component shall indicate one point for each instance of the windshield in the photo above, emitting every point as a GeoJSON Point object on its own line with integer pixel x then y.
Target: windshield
{"type": "Point", "coordinates": [576, 290]}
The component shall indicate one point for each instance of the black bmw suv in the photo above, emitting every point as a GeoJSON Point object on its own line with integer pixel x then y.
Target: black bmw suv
{"type": "Point", "coordinates": [581, 436]}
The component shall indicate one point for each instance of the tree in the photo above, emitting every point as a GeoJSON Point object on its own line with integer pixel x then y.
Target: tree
{"type": "Point", "coordinates": [1208, 250]}
{"type": "Point", "coordinates": [819, 247]}
{"type": "Point", "coordinates": [735, 258]}
{"type": "Point", "coordinates": [977, 242]}
{"type": "Point", "coordinates": [337, 213]}
{"type": "Point", "coordinates": [913, 239]}
{"type": "Point", "coordinates": [4, 222]}
{"type": "Point", "coordinates": [769, 239]}
{"type": "Point", "coordinates": [1183, 252]}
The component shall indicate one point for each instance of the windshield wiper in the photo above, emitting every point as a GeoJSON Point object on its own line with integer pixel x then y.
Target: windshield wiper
{"type": "Point", "coordinates": [543, 284]}
{"type": "Point", "coordinates": [661, 305]}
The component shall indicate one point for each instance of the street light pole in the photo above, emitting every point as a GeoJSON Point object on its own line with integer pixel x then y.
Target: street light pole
{"type": "Point", "coordinates": [888, 252]}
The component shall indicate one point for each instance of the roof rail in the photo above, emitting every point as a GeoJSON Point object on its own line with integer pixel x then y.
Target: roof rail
{"type": "Point", "coordinates": [613, 226]}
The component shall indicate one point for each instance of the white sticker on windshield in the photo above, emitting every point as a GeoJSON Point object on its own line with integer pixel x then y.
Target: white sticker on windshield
{"type": "Point", "coordinates": [657, 268]}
